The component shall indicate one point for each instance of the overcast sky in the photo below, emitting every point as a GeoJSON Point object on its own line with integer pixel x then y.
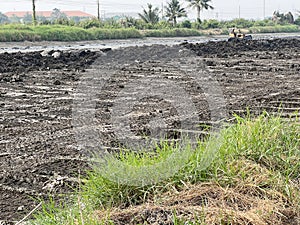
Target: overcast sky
{"type": "Point", "coordinates": [224, 9]}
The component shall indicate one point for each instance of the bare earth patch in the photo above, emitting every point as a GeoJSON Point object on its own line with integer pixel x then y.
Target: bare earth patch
{"type": "Point", "coordinates": [39, 155]}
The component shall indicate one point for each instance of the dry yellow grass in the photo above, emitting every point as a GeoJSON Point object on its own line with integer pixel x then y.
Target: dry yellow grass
{"type": "Point", "coordinates": [245, 202]}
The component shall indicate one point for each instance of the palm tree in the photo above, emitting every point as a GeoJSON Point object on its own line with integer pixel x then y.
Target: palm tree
{"type": "Point", "coordinates": [33, 12]}
{"type": "Point", "coordinates": [199, 5]}
{"type": "Point", "coordinates": [174, 11]}
{"type": "Point", "coordinates": [150, 15]}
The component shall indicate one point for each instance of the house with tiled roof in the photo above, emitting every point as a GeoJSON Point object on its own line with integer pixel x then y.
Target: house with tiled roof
{"type": "Point", "coordinates": [48, 14]}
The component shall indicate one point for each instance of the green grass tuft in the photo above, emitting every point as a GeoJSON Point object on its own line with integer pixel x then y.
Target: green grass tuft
{"type": "Point", "coordinates": [275, 29]}
{"type": "Point", "coordinates": [261, 151]}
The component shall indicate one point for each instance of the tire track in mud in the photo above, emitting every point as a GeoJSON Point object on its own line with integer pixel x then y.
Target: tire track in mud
{"type": "Point", "coordinates": [38, 151]}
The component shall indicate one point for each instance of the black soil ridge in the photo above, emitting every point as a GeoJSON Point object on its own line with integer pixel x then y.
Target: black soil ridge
{"type": "Point", "coordinates": [32, 61]}
{"type": "Point", "coordinates": [221, 48]}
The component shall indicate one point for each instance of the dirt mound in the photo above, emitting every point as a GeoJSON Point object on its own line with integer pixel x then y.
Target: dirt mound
{"type": "Point", "coordinates": [24, 62]}
{"type": "Point", "coordinates": [225, 48]}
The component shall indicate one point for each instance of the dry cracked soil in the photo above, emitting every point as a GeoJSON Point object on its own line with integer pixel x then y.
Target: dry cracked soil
{"type": "Point", "coordinates": [39, 150]}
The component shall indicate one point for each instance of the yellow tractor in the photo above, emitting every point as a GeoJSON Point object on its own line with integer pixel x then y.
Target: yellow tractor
{"type": "Point", "coordinates": [238, 36]}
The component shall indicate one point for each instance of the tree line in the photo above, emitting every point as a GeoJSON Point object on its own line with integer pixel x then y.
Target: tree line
{"type": "Point", "coordinates": [173, 11]}
{"type": "Point", "coordinates": [155, 18]}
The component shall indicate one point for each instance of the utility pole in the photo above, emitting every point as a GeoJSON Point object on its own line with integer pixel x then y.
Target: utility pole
{"type": "Point", "coordinates": [33, 12]}
{"type": "Point", "coordinates": [239, 11]}
{"type": "Point", "coordinates": [162, 10]}
{"type": "Point", "coordinates": [98, 11]}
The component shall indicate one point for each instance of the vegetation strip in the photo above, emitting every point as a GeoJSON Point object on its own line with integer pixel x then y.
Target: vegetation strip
{"type": "Point", "coordinates": [256, 176]}
{"type": "Point", "coordinates": [11, 33]}
{"type": "Point", "coordinates": [152, 22]}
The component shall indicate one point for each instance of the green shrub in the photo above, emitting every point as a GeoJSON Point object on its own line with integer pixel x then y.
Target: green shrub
{"type": "Point", "coordinates": [196, 25]}
{"type": "Point", "coordinates": [111, 24]}
{"type": "Point", "coordinates": [162, 25]}
{"type": "Point", "coordinates": [86, 24]}
{"type": "Point", "coordinates": [239, 23]}
{"type": "Point", "coordinates": [259, 23]}
{"type": "Point", "coordinates": [186, 24]}
{"type": "Point", "coordinates": [270, 23]}
{"type": "Point", "coordinates": [297, 21]}
{"type": "Point", "coordinates": [210, 24]}
{"type": "Point", "coordinates": [130, 22]}
{"type": "Point", "coordinates": [64, 21]}
{"type": "Point", "coordinates": [275, 29]}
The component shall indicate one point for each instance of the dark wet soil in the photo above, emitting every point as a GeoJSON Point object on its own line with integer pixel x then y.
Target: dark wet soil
{"type": "Point", "coordinates": [226, 49]}
{"type": "Point", "coordinates": [39, 154]}
{"type": "Point", "coordinates": [25, 62]}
